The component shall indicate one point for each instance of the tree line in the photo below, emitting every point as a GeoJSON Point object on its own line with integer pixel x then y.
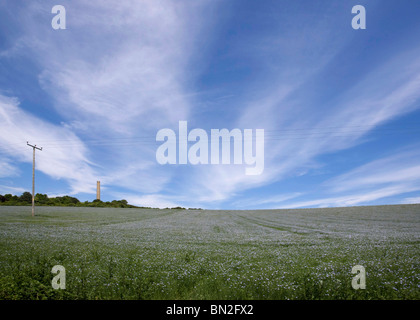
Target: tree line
{"type": "Point", "coordinates": [64, 201]}
{"type": "Point", "coordinates": [25, 199]}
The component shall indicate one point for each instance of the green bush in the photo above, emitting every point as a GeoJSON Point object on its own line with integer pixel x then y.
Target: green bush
{"type": "Point", "coordinates": [26, 197]}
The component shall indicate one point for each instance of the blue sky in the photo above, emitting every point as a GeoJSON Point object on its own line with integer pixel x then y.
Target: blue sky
{"type": "Point", "coordinates": [340, 107]}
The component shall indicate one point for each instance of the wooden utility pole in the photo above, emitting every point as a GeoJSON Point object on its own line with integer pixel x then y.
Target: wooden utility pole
{"type": "Point", "coordinates": [33, 176]}
{"type": "Point", "coordinates": [98, 190]}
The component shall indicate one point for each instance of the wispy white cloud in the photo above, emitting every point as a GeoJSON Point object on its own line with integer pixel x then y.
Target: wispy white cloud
{"type": "Point", "coordinates": [394, 175]}
{"type": "Point", "coordinates": [7, 169]}
{"type": "Point", "coordinates": [150, 200]}
{"type": "Point", "coordinates": [401, 167]}
{"type": "Point", "coordinates": [121, 64]}
{"type": "Point", "coordinates": [354, 199]}
{"type": "Point", "coordinates": [272, 201]}
{"type": "Point", "coordinates": [411, 200]}
{"type": "Point", "coordinates": [11, 190]}
{"type": "Point", "coordinates": [69, 162]}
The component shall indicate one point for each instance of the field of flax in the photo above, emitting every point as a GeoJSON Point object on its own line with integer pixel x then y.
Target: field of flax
{"type": "Point", "coordinates": [209, 254]}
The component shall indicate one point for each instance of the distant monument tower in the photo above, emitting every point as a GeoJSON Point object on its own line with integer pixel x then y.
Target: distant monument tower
{"type": "Point", "coordinates": [98, 190]}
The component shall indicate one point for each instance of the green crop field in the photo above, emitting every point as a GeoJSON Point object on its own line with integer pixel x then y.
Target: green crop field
{"type": "Point", "coordinates": [204, 254]}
